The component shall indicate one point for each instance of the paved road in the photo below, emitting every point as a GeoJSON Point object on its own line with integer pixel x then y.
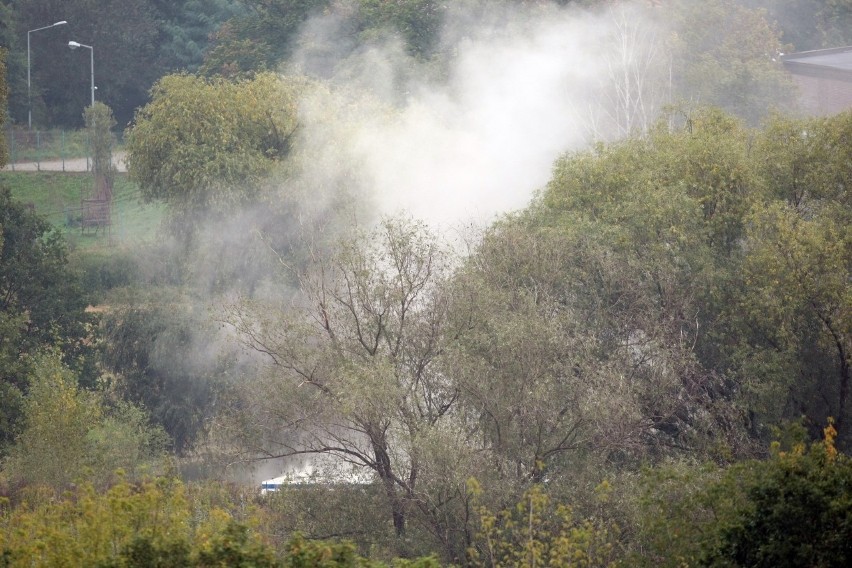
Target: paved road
{"type": "Point", "coordinates": [69, 165]}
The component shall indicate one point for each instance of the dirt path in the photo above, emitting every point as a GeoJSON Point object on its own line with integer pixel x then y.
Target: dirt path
{"type": "Point", "coordinates": [68, 165]}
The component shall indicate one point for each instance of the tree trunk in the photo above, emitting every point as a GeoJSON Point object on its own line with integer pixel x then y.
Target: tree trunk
{"type": "Point", "coordinates": [845, 374]}
{"type": "Point", "coordinates": [383, 468]}
{"type": "Point", "coordinates": [398, 516]}
{"type": "Point", "coordinates": [845, 378]}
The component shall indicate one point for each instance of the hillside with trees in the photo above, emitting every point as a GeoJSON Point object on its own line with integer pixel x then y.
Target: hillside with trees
{"type": "Point", "coordinates": [648, 363]}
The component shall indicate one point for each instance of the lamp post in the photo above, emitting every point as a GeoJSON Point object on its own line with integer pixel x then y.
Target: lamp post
{"type": "Point", "coordinates": [75, 45]}
{"type": "Point", "coordinates": [29, 99]}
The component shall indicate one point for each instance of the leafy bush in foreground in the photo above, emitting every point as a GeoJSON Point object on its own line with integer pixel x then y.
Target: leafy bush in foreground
{"type": "Point", "coordinates": [151, 524]}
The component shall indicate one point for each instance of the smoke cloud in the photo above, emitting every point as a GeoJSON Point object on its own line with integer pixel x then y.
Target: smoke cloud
{"type": "Point", "coordinates": [467, 140]}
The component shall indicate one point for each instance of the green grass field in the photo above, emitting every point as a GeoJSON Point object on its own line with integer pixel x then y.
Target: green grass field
{"type": "Point", "coordinates": [57, 196]}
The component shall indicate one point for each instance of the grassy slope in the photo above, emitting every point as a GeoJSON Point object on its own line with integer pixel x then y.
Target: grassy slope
{"type": "Point", "coordinates": [56, 195]}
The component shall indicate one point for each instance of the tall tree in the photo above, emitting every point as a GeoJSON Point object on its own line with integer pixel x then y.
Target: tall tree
{"type": "Point", "coordinates": [666, 214]}
{"type": "Point", "coordinates": [639, 66]}
{"type": "Point", "coordinates": [800, 304]}
{"type": "Point", "coordinates": [16, 61]}
{"type": "Point", "coordinates": [355, 375]}
{"type": "Point", "coordinates": [204, 146]}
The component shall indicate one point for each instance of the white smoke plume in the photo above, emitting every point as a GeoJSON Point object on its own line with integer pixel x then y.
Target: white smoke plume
{"type": "Point", "coordinates": [477, 137]}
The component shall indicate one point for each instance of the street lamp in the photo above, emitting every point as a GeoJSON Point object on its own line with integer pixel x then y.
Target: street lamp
{"type": "Point", "coordinates": [29, 100]}
{"type": "Point", "coordinates": [75, 45]}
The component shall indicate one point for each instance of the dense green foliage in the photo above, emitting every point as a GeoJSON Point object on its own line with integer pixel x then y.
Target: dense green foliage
{"type": "Point", "coordinates": [147, 347]}
{"type": "Point", "coordinates": [667, 297]}
{"type": "Point", "coordinates": [416, 22]}
{"type": "Point", "coordinates": [71, 434]}
{"type": "Point", "coordinates": [185, 28]}
{"type": "Point", "coordinates": [41, 305]}
{"type": "Point", "coordinates": [537, 532]}
{"type": "Point", "coordinates": [793, 509]}
{"type": "Point", "coordinates": [154, 523]}
{"type": "Point", "coordinates": [197, 140]}
{"type": "Point", "coordinates": [737, 255]}
{"type": "Point", "coordinates": [267, 33]}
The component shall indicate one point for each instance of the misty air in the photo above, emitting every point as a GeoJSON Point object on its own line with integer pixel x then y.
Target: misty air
{"type": "Point", "coordinates": [417, 283]}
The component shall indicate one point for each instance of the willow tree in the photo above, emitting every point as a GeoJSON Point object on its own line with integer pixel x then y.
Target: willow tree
{"type": "Point", "coordinates": [355, 375]}
{"type": "Point", "coordinates": [651, 228]}
{"type": "Point", "coordinates": [206, 145]}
